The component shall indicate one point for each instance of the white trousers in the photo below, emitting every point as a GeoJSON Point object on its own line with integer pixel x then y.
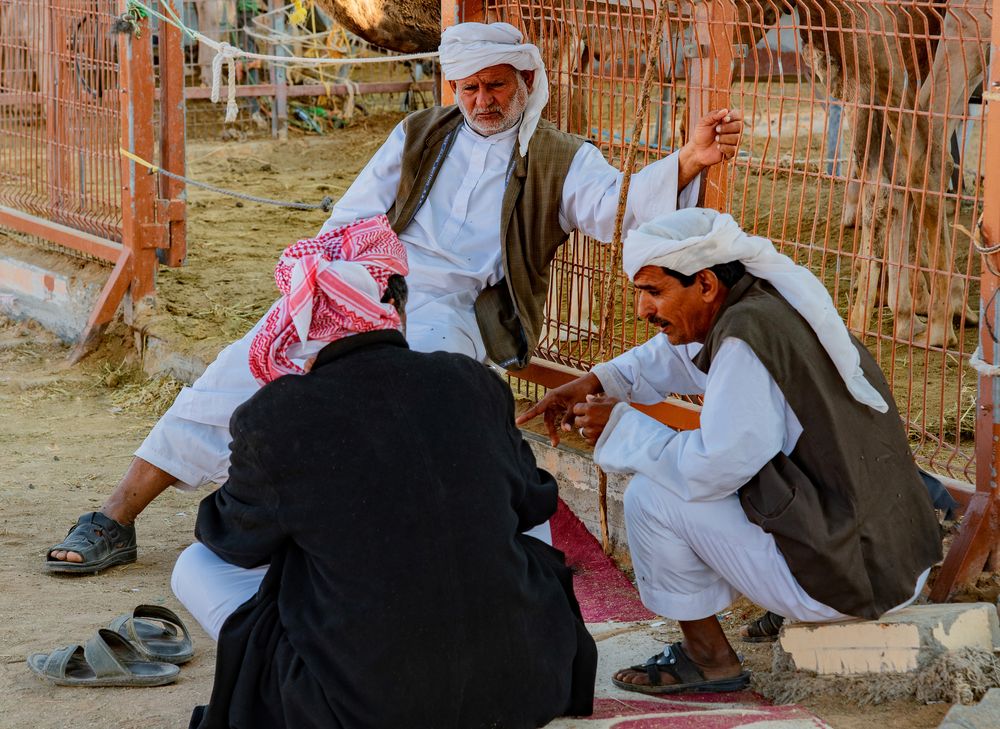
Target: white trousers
{"type": "Point", "coordinates": [191, 440]}
{"type": "Point", "coordinates": [692, 559]}
{"type": "Point", "coordinates": [211, 588]}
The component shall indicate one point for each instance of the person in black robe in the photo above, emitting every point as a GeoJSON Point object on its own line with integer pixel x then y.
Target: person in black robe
{"type": "Point", "coordinates": [389, 491]}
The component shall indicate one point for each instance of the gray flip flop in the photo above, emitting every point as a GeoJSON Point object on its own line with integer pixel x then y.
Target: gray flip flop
{"type": "Point", "coordinates": [107, 659]}
{"type": "Point", "coordinates": [156, 633]}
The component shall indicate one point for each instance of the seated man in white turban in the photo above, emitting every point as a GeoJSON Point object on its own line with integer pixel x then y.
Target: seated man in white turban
{"type": "Point", "coordinates": [482, 194]}
{"type": "Point", "coordinates": [798, 490]}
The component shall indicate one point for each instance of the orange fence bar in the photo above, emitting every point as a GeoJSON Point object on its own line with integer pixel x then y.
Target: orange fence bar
{"type": "Point", "coordinates": [980, 532]}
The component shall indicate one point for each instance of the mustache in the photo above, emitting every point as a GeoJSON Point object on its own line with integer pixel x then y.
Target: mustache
{"type": "Point", "coordinates": [491, 109]}
{"type": "Point", "coordinates": [657, 321]}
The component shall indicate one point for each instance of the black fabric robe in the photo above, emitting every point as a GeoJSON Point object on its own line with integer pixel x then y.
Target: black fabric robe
{"type": "Point", "coordinates": [388, 490]}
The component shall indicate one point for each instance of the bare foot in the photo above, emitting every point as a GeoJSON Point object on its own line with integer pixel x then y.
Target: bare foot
{"type": "Point", "coordinates": [62, 555]}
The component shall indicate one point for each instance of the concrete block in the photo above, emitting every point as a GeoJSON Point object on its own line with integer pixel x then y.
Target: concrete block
{"type": "Point", "coordinates": [56, 291]}
{"type": "Point", "coordinates": [984, 715]}
{"type": "Point", "coordinates": [897, 643]}
{"type": "Point", "coordinates": [576, 473]}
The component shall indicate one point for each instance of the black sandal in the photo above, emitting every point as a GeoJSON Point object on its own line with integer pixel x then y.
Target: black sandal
{"type": "Point", "coordinates": [764, 629]}
{"type": "Point", "coordinates": [100, 540]}
{"type": "Point", "coordinates": [685, 672]}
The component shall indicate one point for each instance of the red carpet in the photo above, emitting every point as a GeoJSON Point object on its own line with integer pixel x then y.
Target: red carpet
{"type": "Point", "coordinates": [603, 591]}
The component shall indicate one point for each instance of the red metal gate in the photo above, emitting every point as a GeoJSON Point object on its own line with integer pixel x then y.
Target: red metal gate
{"type": "Point", "coordinates": [77, 88]}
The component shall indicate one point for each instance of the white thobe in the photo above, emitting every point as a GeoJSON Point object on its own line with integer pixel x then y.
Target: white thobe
{"type": "Point", "coordinates": [692, 546]}
{"type": "Point", "coordinates": [453, 247]}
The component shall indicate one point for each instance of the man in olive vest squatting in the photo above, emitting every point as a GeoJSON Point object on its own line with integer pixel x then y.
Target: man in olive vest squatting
{"type": "Point", "coordinates": [482, 194]}
{"type": "Point", "coordinates": [798, 490]}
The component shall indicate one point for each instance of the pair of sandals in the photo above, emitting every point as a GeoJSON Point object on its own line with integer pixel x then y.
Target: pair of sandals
{"type": "Point", "coordinates": [141, 648]}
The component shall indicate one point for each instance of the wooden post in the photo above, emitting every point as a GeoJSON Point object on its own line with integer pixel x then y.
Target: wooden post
{"type": "Point", "coordinates": [279, 109]}
{"type": "Point", "coordinates": [458, 11]}
{"type": "Point", "coordinates": [709, 58]}
{"type": "Point", "coordinates": [979, 534]}
{"type": "Point", "coordinates": [139, 195]}
{"type": "Point", "coordinates": [171, 210]}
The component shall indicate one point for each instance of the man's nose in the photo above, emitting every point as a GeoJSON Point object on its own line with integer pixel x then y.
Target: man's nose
{"type": "Point", "coordinates": [484, 98]}
{"type": "Point", "coordinates": [645, 307]}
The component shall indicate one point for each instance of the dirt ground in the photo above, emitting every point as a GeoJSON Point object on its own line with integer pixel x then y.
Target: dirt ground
{"type": "Point", "coordinates": [65, 439]}
{"type": "Point", "coordinates": [67, 434]}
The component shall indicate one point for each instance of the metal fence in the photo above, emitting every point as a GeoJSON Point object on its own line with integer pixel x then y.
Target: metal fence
{"type": "Point", "coordinates": [273, 97]}
{"type": "Point", "coordinates": [76, 88]}
{"type": "Point", "coordinates": [863, 159]}
{"type": "Point", "coordinates": [58, 90]}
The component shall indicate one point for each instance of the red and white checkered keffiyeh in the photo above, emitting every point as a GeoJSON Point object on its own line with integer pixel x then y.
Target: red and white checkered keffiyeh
{"type": "Point", "coordinates": [331, 288]}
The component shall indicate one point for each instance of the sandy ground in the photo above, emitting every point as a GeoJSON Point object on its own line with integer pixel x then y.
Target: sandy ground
{"type": "Point", "coordinates": [65, 439]}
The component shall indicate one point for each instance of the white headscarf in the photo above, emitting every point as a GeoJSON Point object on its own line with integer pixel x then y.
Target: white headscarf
{"type": "Point", "coordinates": [468, 48]}
{"type": "Point", "coordinates": [693, 239]}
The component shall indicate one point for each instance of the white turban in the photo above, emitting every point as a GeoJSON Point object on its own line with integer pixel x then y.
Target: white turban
{"type": "Point", "coordinates": [693, 239]}
{"type": "Point", "coordinates": [468, 48]}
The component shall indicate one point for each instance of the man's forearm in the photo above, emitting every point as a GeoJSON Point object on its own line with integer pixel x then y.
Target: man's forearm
{"type": "Point", "coordinates": [688, 166]}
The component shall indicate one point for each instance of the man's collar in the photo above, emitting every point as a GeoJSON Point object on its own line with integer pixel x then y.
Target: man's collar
{"type": "Point", "coordinates": [342, 347]}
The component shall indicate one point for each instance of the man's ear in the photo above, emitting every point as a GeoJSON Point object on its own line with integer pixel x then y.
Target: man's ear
{"type": "Point", "coordinates": [709, 285]}
{"type": "Point", "coordinates": [529, 78]}
{"type": "Point", "coordinates": [453, 86]}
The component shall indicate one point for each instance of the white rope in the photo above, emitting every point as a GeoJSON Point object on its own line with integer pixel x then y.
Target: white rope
{"type": "Point", "coordinates": [352, 89]}
{"type": "Point", "coordinates": [981, 366]}
{"type": "Point", "coordinates": [230, 54]}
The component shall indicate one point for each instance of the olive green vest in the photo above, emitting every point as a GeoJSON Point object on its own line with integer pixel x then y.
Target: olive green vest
{"type": "Point", "coordinates": [510, 313]}
{"type": "Point", "coordinates": [847, 507]}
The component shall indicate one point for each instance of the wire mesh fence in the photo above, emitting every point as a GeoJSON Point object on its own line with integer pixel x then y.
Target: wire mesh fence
{"type": "Point", "coordinates": [319, 98]}
{"type": "Point", "coordinates": [60, 113]}
{"type": "Point", "coordinates": [862, 159]}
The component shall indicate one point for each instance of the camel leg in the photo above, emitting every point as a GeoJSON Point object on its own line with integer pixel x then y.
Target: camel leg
{"type": "Point", "coordinates": [899, 271]}
{"type": "Point", "coordinates": [942, 98]}
{"type": "Point", "coordinates": [852, 203]}
{"type": "Point", "coordinates": [868, 267]}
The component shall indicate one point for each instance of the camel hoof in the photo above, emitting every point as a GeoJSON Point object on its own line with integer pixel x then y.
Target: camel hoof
{"type": "Point", "coordinates": [909, 329]}
{"type": "Point", "coordinates": [971, 318]}
{"type": "Point", "coordinates": [937, 337]}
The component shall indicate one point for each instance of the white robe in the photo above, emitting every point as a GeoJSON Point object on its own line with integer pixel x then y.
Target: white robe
{"type": "Point", "coordinates": [453, 245]}
{"type": "Point", "coordinates": [692, 546]}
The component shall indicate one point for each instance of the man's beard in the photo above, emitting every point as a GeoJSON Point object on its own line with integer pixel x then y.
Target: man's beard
{"type": "Point", "coordinates": [508, 117]}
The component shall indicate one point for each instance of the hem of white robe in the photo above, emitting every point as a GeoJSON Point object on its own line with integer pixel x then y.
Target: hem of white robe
{"type": "Point", "coordinates": [698, 606]}
{"type": "Point", "coordinates": [188, 478]}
